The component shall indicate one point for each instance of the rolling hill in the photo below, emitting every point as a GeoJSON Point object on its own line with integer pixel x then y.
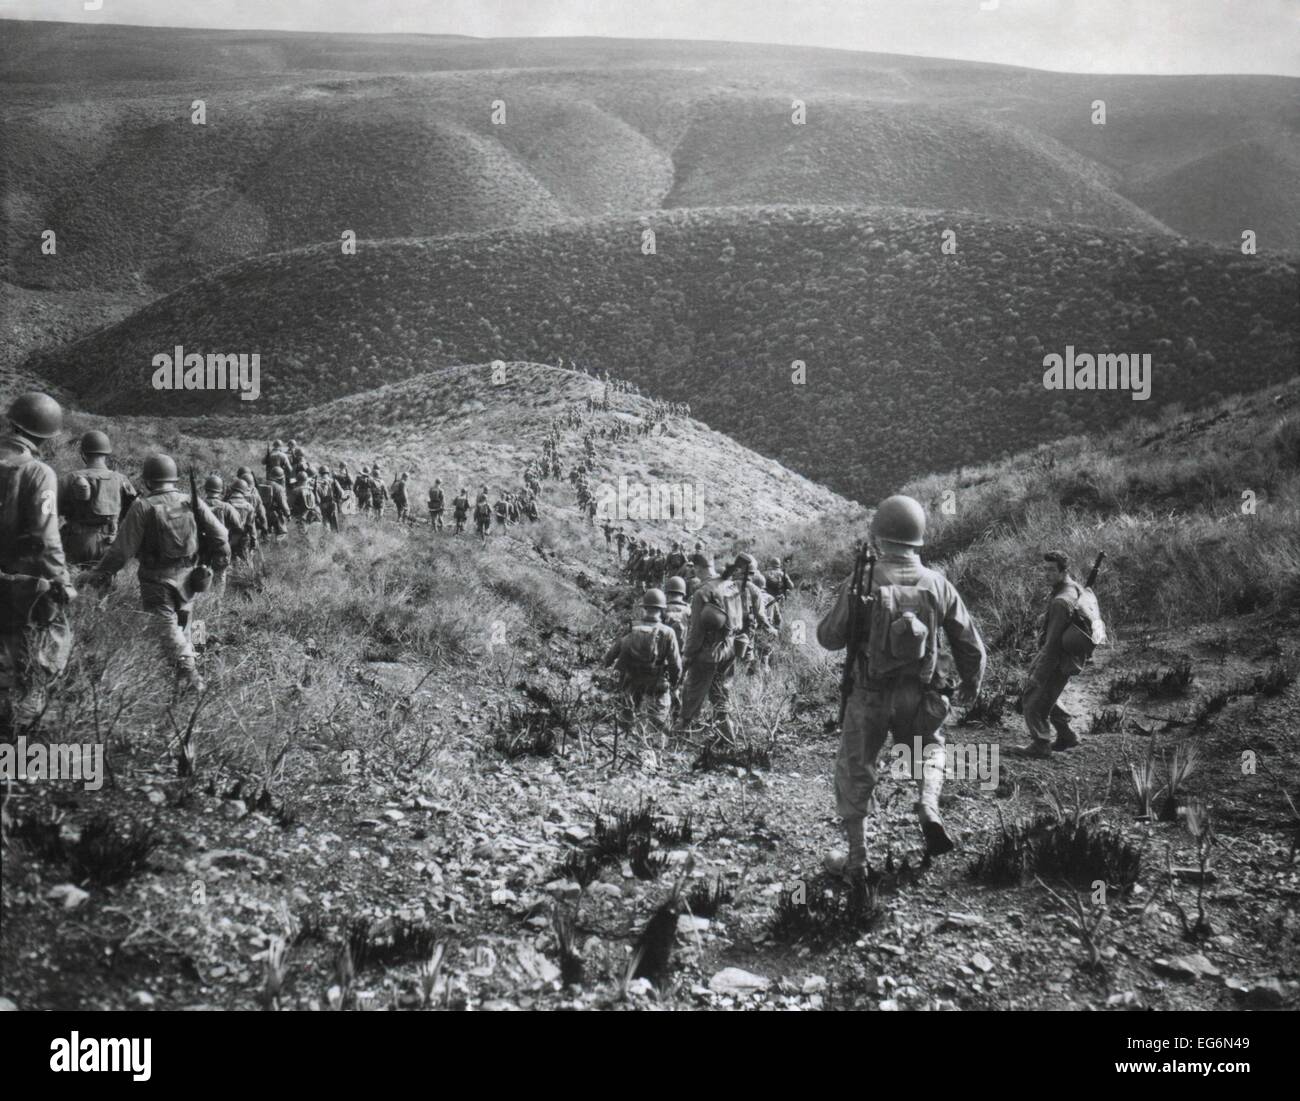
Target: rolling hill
{"type": "Point", "coordinates": [915, 360]}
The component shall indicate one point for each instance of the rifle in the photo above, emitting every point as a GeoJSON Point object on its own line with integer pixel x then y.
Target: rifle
{"type": "Point", "coordinates": [1092, 575]}
{"type": "Point", "coordinates": [201, 576]}
{"type": "Point", "coordinates": [865, 558]}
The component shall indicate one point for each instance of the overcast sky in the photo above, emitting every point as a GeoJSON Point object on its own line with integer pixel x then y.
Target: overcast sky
{"type": "Point", "coordinates": [1138, 36]}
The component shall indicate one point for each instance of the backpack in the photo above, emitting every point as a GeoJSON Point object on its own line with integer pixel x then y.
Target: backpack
{"type": "Point", "coordinates": [105, 499]}
{"type": "Point", "coordinates": [644, 651]}
{"type": "Point", "coordinates": [172, 529]}
{"type": "Point", "coordinates": [902, 633]}
{"type": "Point", "coordinates": [1084, 631]}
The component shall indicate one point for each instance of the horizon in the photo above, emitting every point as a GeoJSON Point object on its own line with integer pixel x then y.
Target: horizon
{"type": "Point", "coordinates": [1105, 38]}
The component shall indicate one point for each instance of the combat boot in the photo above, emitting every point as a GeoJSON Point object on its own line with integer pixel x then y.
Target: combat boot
{"type": "Point", "coordinates": [937, 841]}
{"type": "Point", "coordinates": [852, 864]}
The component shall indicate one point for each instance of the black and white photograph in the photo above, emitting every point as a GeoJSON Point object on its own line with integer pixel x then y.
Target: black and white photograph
{"type": "Point", "coordinates": [715, 506]}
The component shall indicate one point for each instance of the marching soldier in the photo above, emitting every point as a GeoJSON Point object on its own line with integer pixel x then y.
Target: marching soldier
{"type": "Point", "coordinates": [399, 497]}
{"type": "Point", "coordinates": [92, 502]}
{"type": "Point", "coordinates": [460, 511]}
{"type": "Point", "coordinates": [229, 518]}
{"type": "Point", "coordinates": [35, 638]}
{"type": "Point", "coordinates": [276, 503]}
{"type": "Point", "coordinates": [162, 529]}
{"type": "Point", "coordinates": [437, 504]}
{"type": "Point", "coordinates": [1052, 668]}
{"type": "Point", "coordinates": [902, 680]}
{"type": "Point", "coordinates": [649, 664]}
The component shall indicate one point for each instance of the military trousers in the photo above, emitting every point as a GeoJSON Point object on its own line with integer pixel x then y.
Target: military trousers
{"type": "Point", "coordinates": [1043, 712]}
{"type": "Point", "coordinates": [712, 681]}
{"type": "Point", "coordinates": [169, 617]}
{"type": "Point", "coordinates": [906, 708]}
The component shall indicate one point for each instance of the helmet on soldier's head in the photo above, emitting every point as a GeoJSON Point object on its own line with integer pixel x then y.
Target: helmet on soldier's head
{"type": "Point", "coordinates": [245, 473]}
{"type": "Point", "coordinates": [365, 470]}
{"type": "Point", "coordinates": [675, 586]}
{"type": "Point", "coordinates": [160, 468]}
{"type": "Point", "coordinates": [240, 485]}
{"type": "Point", "coordinates": [654, 598]}
{"type": "Point", "coordinates": [95, 442]}
{"type": "Point", "coordinates": [745, 562]}
{"type": "Point", "coordinates": [293, 443]}
{"type": "Point", "coordinates": [900, 519]}
{"type": "Point", "coordinates": [277, 445]}
{"type": "Point", "coordinates": [36, 415]}
{"type": "Point", "coordinates": [758, 579]}
{"type": "Point", "coordinates": [774, 563]}
{"type": "Point", "coordinates": [277, 474]}
{"type": "Point", "coordinates": [213, 484]}
{"type": "Point", "coordinates": [308, 468]}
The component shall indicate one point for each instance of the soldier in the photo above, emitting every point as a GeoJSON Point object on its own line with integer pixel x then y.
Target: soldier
{"type": "Point", "coordinates": [437, 504]}
{"type": "Point", "coordinates": [675, 563]}
{"type": "Point", "coordinates": [277, 457]}
{"type": "Point", "coordinates": [254, 499]}
{"type": "Point", "coordinates": [620, 538]}
{"type": "Point", "coordinates": [702, 573]}
{"type": "Point", "coordinates": [275, 502]}
{"type": "Point", "coordinates": [608, 528]}
{"type": "Point", "coordinates": [778, 581]}
{"type": "Point", "coordinates": [243, 537]}
{"type": "Point", "coordinates": [230, 519]}
{"type": "Point", "coordinates": [92, 502]}
{"type": "Point", "coordinates": [399, 497]}
{"type": "Point", "coordinates": [460, 511]}
{"type": "Point", "coordinates": [35, 638]}
{"type": "Point", "coordinates": [363, 487]}
{"type": "Point", "coordinates": [649, 664]}
{"type": "Point", "coordinates": [378, 493]}
{"type": "Point", "coordinates": [162, 529]}
{"type": "Point", "coordinates": [1052, 668]}
{"type": "Point", "coordinates": [482, 518]}
{"type": "Point", "coordinates": [755, 620]}
{"type": "Point", "coordinates": [502, 512]}
{"type": "Point", "coordinates": [345, 482]}
{"type": "Point", "coordinates": [718, 612]}
{"type": "Point", "coordinates": [303, 506]}
{"type": "Point", "coordinates": [329, 498]}
{"type": "Point", "coordinates": [902, 680]}
{"type": "Point", "coordinates": [678, 617]}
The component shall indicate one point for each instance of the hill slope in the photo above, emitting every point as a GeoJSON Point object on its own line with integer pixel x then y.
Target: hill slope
{"type": "Point", "coordinates": [902, 343]}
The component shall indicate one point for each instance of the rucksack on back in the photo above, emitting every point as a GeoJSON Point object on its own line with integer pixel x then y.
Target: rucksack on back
{"type": "Point", "coordinates": [902, 635]}
{"type": "Point", "coordinates": [1084, 631]}
{"type": "Point", "coordinates": [104, 499]}
{"type": "Point", "coordinates": [172, 530]}
{"type": "Point", "coordinates": [644, 651]}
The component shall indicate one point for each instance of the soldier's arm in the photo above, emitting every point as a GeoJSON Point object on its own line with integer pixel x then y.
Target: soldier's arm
{"type": "Point", "coordinates": [964, 638]}
{"type": "Point", "coordinates": [127, 543]}
{"type": "Point", "coordinates": [216, 531]}
{"type": "Point", "coordinates": [611, 655]}
{"type": "Point", "coordinates": [695, 639]}
{"type": "Point", "coordinates": [833, 630]}
{"type": "Point", "coordinates": [759, 613]}
{"type": "Point", "coordinates": [674, 658]}
{"type": "Point", "coordinates": [1049, 654]}
{"type": "Point", "coordinates": [42, 521]}
{"type": "Point", "coordinates": [129, 496]}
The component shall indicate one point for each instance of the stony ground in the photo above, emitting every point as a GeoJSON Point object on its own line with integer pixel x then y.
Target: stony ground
{"type": "Point", "coordinates": [436, 844]}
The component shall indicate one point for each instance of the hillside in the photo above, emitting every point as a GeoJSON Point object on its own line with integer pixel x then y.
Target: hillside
{"type": "Point", "coordinates": [886, 324]}
{"type": "Point", "coordinates": [391, 136]}
{"type": "Point", "coordinates": [407, 749]}
{"type": "Point", "coordinates": [457, 425]}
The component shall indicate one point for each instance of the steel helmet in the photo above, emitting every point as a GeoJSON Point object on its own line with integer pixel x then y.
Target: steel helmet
{"type": "Point", "coordinates": [745, 562]}
{"type": "Point", "coordinates": [244, 472]}
{"type": "Point", "coordinates": [240, 485]}
{"type": "Point", "coordinates": [900, 519]}
{"type": "Point", "coordinates": [676, 585]}
{"type": "Point", "coordinates": [37, 415]}
{"type": "Point", "coordinates": [654, 598]}
{"type": "Point", "coordinates": [278, 445]}
{"type": "Point", "coordinates": [213, 484]}
{"type": "Point", "coordinates": [277, 474]}
{"type": "Point", "coordinates": [774, 563]}
{"type": "Point", "coordinates": [293, 443]}
{"type": "Point", "coordinates": [95, 442]}
{"type": "Point", "coordinates": [160, 468]}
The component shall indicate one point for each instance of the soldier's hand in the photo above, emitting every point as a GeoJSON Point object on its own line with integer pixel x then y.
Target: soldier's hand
{"type": "Point", "coordinates": [966, 695]}
{"type": "Point", "coordinates": [61, 592]}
